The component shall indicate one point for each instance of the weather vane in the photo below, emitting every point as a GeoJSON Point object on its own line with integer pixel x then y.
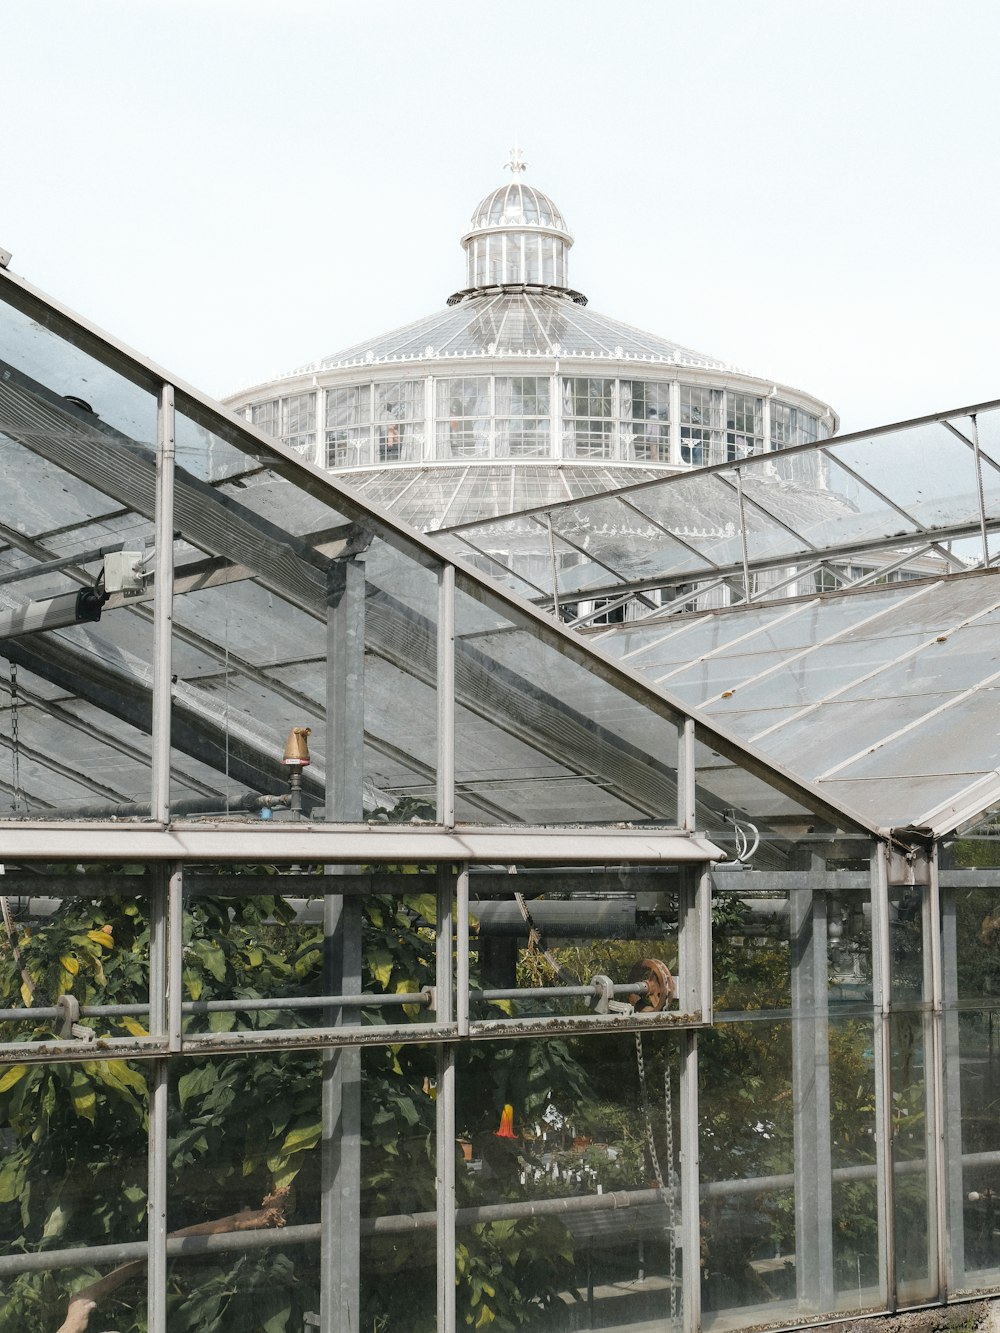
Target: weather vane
{"type": "Point", "coordinates": [515, 160]}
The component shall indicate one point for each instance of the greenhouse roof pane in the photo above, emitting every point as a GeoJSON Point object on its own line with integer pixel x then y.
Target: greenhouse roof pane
{"type": "Point", "coordinates": [885, 697]}
{"type": "Point", "coordinates": [902, 488]}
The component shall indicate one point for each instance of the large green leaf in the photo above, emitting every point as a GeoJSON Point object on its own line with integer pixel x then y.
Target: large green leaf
{"type": "Point", "coordinates": [196, 1083]}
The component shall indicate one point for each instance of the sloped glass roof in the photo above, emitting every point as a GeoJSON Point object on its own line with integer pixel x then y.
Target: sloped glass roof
{"type": "Point", "coordinates": [886, 698]}
{"type": "Point", "coordinates": [910, 487]}
{"type": "Point", "coordinates": [517, 324]}
{"type": "Point", "coordinates": [546, 729]}
{"type": "Point", "coordinates": [431, 497]}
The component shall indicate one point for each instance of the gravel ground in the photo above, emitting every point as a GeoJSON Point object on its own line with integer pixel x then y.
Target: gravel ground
{"type": "Point", "coordinates": [971, 1318]}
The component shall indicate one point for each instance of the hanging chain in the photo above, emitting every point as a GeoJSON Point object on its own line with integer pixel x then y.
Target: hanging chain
{"type": "Point", "coordinates": [667, 1188]}
{"type": "Point", "coordinates": [668, 1114]}
{"type": "Point", "coordinates": [645, 1111]}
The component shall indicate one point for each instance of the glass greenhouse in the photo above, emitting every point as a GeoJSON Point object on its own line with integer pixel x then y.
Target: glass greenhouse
{"type": "Point", "coordinates": [381, 951]}
{"type": "Point", "coordinates": [518, 393]}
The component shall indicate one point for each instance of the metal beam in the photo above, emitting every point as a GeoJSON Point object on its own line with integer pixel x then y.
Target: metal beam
{"type": "Point", "coordinates": [228, 841]}
{"type": "Point", "coordinates": [340, 1220]}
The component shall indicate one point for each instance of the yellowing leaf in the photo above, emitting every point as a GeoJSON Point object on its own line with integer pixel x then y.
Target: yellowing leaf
{"type": "Point", "coordinates": [81, 1090]}
{"type": "Point", "coordinates": [117, 1074]}
{"type": "Point", "coordinates": [12, 1076]}
{"type": "Point", "coordinates": [70, 963]}
{"type": "Point", "coordinates": [486, 1316]}
{"type": "Point", "coordinates": [285, 1174]}
{"type": "Point", "coordinates": [26, 993]}
{"type": "Point", "coordinates": [380, 962]}
{"type": "Point", "coordinates": [303, 1138]}
{"type": "Point", "coordinates": [407, 986]}
{"type": "Point", "coordinates": [102, 937]}
{"type": "Point", "coordinates": [135, 1027]}
{"type": "Point", "coordinates": [192, 984]}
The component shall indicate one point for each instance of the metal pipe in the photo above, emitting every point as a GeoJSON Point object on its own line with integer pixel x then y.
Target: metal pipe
{"type": "Point", "coordinates": [559, 992]}
{"type": "Point", "coordinates": [65, 562]}
{"type": "Point", "coordinates": [193, 805]}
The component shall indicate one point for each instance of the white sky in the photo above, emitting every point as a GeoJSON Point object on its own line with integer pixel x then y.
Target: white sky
{"type": "Point", "coordinates": [805, 188]}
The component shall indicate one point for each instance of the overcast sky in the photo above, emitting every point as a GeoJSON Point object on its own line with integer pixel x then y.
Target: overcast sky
{"type": "Point", "coordinates": [807, 189]}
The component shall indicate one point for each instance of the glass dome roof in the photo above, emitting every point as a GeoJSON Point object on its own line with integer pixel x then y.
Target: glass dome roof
{"type": "Point", "coordinates": [517, 324]}
{"type": "Point", "coordinates": [447, 494]}
{"type": "Point", "coordinates": [518, 205]}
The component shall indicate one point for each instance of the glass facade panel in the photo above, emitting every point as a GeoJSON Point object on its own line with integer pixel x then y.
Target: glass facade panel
{"type": "Point", "coordinates": [348, 426]}
{"type": "Point", "coordinates": [267, 416]}
{"type": "Point", "coordinates": [744, 425]}
{"type": "Point", "coordinates": [792, 425]}
{"type": "Point", "coordinates": [645, 412]}
{"type": "Point", "coordinates": [701, 425]}
{"type": "Point", "coordinates": [588, 412]}
{"type": "Point", "coordinates": [463, 417]}
{"type": "Point", "coordinates": [399, 421]}
{"type": "Point", "coordinates": [523, 423]}
{"type": "Point", "coordinates": [291, 419]}
{"type": "Point", "coordinates": [299, 425]}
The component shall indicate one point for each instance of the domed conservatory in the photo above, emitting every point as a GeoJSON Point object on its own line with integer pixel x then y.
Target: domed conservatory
{"type": "Point", "coordinates": [518, 393]}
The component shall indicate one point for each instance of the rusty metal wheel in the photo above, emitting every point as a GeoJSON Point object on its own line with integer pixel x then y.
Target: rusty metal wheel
{"type": "Point", "coordinates": [661, 986]}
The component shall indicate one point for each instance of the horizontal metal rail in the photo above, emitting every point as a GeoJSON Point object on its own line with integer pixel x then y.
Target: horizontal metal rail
{"type": "Point", "coordinates": [309, 1234]}
{"type": "Point", "coordinates": [559, 992]}
{"type": "Point", "coordinates": [424, 998]}
{"type": "Point", "coordinates": [96, 1256]}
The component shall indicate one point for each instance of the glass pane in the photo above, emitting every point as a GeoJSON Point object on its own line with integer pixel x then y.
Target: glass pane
{"type": "Point", "coordinates": [912, 1156]}
{"type": "Point", "coordinates": [543, 740]}
{"type": "Point", "coordinates": [398, 1160]}
{"type": "Point", "coordinates": [79, 931]}
{"type": "Point", "coordinates": [243, 1159]}
{"type": "Point", "coordinates": [254, 947]}
{"type": "Point", "coordinates": [545, 1122]}
{"type": "Point", "coordinates": [77, 450]}
{"type": "Point", "coordinates": [542, 943]}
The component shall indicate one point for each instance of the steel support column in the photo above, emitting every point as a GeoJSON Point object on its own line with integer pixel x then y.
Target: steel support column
{"type": "Point", "coordinates": [952, 1096]}
{"type": "Point", "coordinates": [444, 1147]}
{"type": "Point", "coordinates": [340, 1302]}
{"type": "Point", "coordinates": [937, 1167]}
{"type": "Point", "coordinates": [163, 605]}
{"type": "Point", "coordinates": [882, 1045]}
{"type": "Point", "coordinates": [811, 1102]}
{"type": "Point", "coordinates": [156, 1192]}
{"type": "Point", "coordinates": [694, 993]}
